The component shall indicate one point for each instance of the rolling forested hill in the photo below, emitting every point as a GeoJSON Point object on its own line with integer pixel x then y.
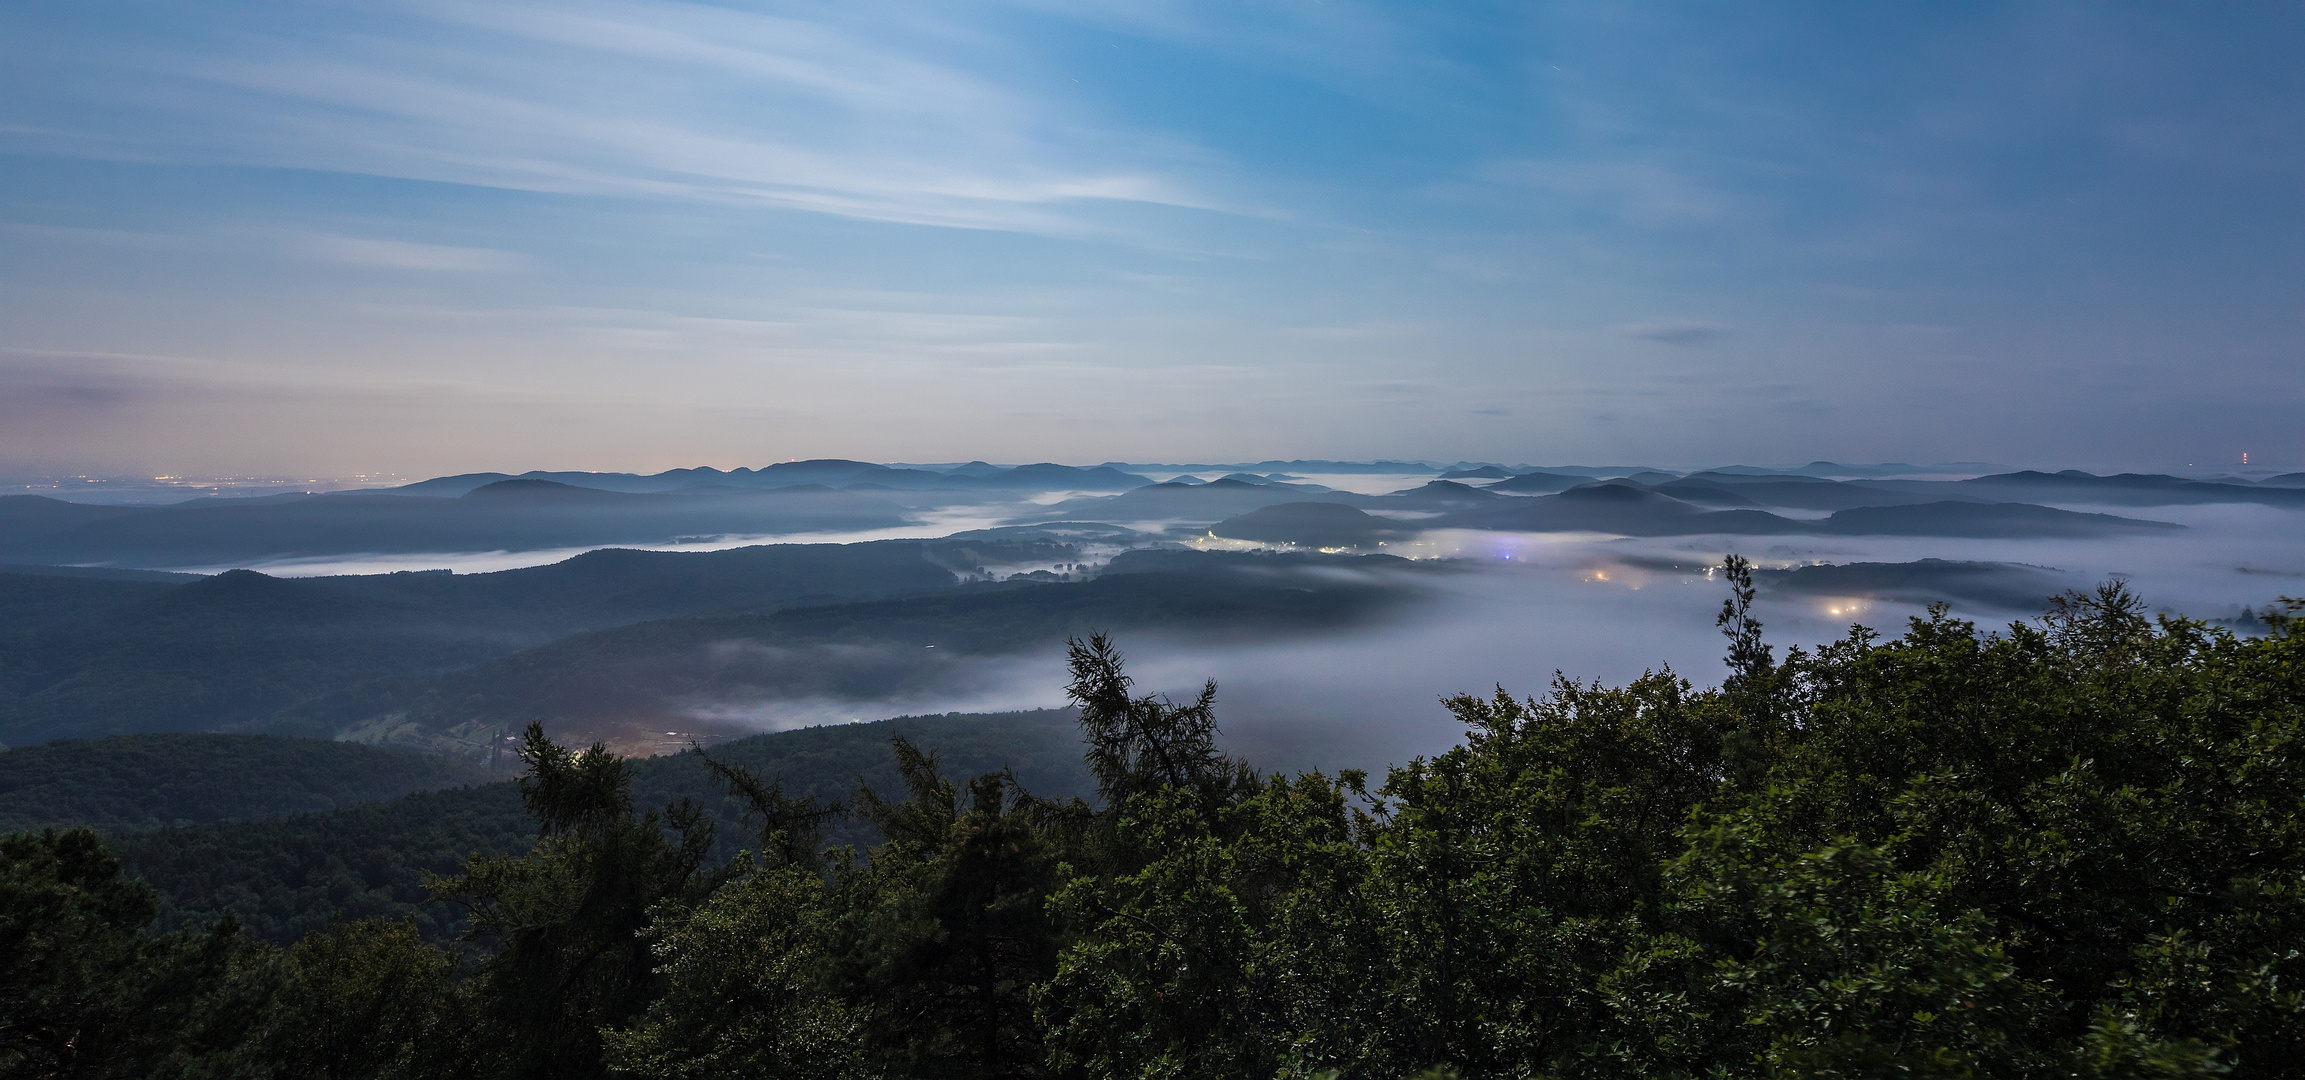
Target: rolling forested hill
{"type": "Point", "coordinates": [521, 514]}
{"type": "Point", "coordinates": [133, 782]}
{"type": "Point", "coordinates": [1989, 585]}
{"type": "Point", "coordinates": [289, 876]}
{"type": "Point", "coordinates": [648, 676]}
{"type": "Point", "coordinates": [2067, 848]}
{"type": "Point", "coordinates": [91, 656]}
{"type": "Point", "coordinates": [450, 662]}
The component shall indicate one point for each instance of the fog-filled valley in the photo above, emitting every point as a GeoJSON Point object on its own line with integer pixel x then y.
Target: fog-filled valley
{"type": "Point", "coordinates": [1334, 602]}
{"type": "Point", "coordinates": [291, 713]}
{"type": "Point", "coordinates": [1354, 540]}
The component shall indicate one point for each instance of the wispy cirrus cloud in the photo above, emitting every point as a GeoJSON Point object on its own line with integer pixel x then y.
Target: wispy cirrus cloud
{"type": "Point", "coordinates": [705, 214]}
{"type": "Point", "coordinates": [406, 255]}
{"type": "Point", "coordinates": [636, 99]}
{"type": "Point", "coordinates": [1673, 331]}
{"type": "Point", "coordinates": [1641, 193]}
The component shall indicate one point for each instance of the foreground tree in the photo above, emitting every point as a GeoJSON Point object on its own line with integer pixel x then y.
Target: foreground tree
{"type": "Point", "coordinates": [567, 918]}
{"type": "Point", "coordinates": [2068, 848]}
{"type": "Point", "coordinates": [944, 936]}
{"type": "Point", "coordinates": [2071, 848]}
{"type": "Point", "coordinates": [86, 991]}
{"type": "Point", "coordinates": [1138, 745]}
{"type": "Point", "coordinates": [364, 1000]}
{"type": "Point", "coordinates": [743, 990]}
{"type": "Point", "coordinates": [744, 974]}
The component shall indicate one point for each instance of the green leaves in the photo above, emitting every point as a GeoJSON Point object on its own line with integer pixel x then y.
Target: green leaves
{"type": "Point", "coordinates": [567, 917]}
{"type": "Point", "coordinates": [937, 943]}
{"type": "Point", "coordinates": [585, 791]}
{"type": "Point", "coordinates": [366, 999]}
{"type": "Point", "coordinates": [1142, 744]}
{"type": "Point", "coordinates": [741, 996]}
{"type": "Point", "coordinates": [84, 991]}
{"type": "Point", "coordinates": [2068, 849]}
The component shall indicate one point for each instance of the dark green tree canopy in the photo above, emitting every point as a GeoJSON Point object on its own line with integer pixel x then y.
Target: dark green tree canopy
{"type": "Point", "coordinates": [2071, 847]}
{"type": "Point", "coordinates": [1141, 744]}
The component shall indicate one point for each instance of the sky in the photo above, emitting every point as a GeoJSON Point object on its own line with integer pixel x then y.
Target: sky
{"type": "Point", "coordinates": [422, 238]}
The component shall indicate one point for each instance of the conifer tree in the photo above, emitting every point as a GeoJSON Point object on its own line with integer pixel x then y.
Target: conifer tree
{"type": "Point", "coordinates": [566, 919]}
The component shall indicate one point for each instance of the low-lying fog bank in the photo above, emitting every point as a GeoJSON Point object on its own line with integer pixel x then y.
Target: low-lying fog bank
{"type": "Point", "coordinates": [1335, 608]}
{"type": "Point", "coordinates": [1609, 609]}
{"type": "Point", "coordinates": [489, 521]}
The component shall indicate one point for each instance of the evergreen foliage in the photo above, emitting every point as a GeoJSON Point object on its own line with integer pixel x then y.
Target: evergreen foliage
{"type": "Point", "coordinates": [132, 782]}
{"type": "Point", "coordinates": [566, 918]}
{"type": "Point", "coordinates": [287, 877]}
{"type": "Point", "coordinates": [2069, 848]}
{"type": "Point", "coordinates": [84, 655]}
{"type": "Point", "coordinates": [84, 991]}
{"type": "Point", "coordinates": [743, 996]}
{"type": "Point", "coordinates": [941, 938]}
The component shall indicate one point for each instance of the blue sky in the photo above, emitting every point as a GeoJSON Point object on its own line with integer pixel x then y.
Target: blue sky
{"type": "Point", "coordinates": [426, 237]}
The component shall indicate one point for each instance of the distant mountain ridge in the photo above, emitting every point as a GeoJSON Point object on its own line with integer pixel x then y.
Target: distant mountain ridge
{"type": "Point", "coordinates": [830, 472]}
{"type": "Point", "coordinates": [512, 514]}
{"type": "Point", "coordinates": [481, 513]}
{"type": "Point", "coordinates": [614, 683]}
{"type": "Point", "coordinates": [1317, 525]}
{"type": "Point", "coordinates": [1292, 465]}
{"type": "Point", "coordinates": [93, 656]}
{"type": "Point", "coordinates": [1648, 504]}
{"type": "Point", "coordinates": [2001, 586]}
{"type": "Point", "coordinates": [1635, 509]}
{"type": "Point", "coordinates": [2123, 489]}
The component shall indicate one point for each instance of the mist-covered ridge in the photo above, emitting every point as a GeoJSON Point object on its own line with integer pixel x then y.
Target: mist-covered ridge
{"type": "Point", "coordinates": [564, 512]}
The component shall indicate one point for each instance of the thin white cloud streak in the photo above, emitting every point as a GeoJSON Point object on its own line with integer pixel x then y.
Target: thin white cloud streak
{"type": "Point", "coordinates": [650, 100]}
{"type": "Point", "coordinates": [70, 236]}
{"type": "Point", "coordinates": [1392, 60]}
{"type": "Point", "coordinates": [1816, 185]}
{"type": "Point", "coordinates": [1643, 194]}
{"type": "Point", "coordinates": [405, 255]}
{"type": "Point", "coordinates": [1673, 331]}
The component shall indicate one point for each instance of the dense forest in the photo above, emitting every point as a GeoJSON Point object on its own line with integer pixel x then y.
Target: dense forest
{"type": "Point", "coordinates": [2069, 847]}
{"type": "Point", "coordinates": [82, 655]}
{"type": "Point", "coordinates": [285, 877]}
{"type": "Point", "coordinates": [618, 645]}
{"type": "Point", "coordinates": [133, 782]}
{"type": "Point", "coordinates": [649, 675]}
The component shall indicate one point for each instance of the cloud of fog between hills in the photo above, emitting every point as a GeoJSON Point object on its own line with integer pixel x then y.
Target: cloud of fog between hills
{"type": "Point", "coordinates": [931, 525]}
{"type": "Point", "coordinates": [1354, 699]}
{"type": "Point", "coordinates": [1588, 607]}
{"type": "Point", "coordinates": [913, 680]}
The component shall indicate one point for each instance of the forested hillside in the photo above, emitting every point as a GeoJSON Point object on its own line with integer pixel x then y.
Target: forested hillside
{"type": "Point", "coordinates": [2070, 847]}
{"type": "Point", "coordinates": [521, 514]}
{"type": "Point", "coordinates": [619, 645]}
{"type": "Point", "coordinates": [287, 877]}
{"type": "Point", "coordinates": [647, 676]}
{"type": "Point", "coordinates": [87, 656]}
{"type": "Point", "coordinates": [132, 782]}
